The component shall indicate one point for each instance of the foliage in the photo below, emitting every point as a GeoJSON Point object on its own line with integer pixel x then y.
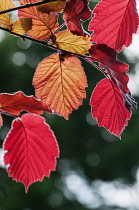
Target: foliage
{"type": "Point", "coordinates": [60, 80]}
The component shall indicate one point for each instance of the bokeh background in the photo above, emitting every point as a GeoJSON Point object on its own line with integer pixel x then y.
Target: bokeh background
{"type": "Point", "coordinates": [95, 170]}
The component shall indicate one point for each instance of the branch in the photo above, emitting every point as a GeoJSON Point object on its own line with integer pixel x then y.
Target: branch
{"type": "Point", "coordinates": [26, 6]}
{"type": "Point", "coordinates": [85, 57]}
{"type": "Point", "coordinates": [8, 114]}
{"type": "Point", "coordinates": [23, 36]}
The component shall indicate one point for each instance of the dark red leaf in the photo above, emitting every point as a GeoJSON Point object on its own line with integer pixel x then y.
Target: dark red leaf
{"type": "Point", "coordinates": [114, 23]}
{"type": "Point", "coordinates": [116, 69]}
{"type": "Point", "coordinates": [75, 13]}
{"type": "Point", "coordinates": [31, 150]}
{"type": "Point", "coordinates": [16, 103]}
{"type": "Point", "coordinates": [108, 107]}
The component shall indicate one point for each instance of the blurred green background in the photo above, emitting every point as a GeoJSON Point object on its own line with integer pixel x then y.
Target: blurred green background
{"type": "Point", "coordinates": [95, 170]}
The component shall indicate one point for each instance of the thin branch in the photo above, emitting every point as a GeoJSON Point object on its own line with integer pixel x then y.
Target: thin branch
{"type": "Point", "coordinates": [97, 67]}
{"type": "Point", "coordinates": [23, 36]}
{"type": "Point", "coordinates": [60, 27]}
{"type": "Point", "coordinates": [37, 41]}
{"type": "Point", "coordinates": [8, 114]}
{"type": "Point", "coordinates": [85, 57]}
{"type": "Point", "coordinates": [26, 6]}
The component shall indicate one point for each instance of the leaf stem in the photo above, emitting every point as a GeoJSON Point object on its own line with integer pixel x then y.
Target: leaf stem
{"type": "Point", "coordinates": [8, 114]}
{"type": "Point", "coordinates": [23, 36]}
{"type": "Point", "coordinates": [26, 6]}
{"type": "Point", "coordinates": [96, 66]}
{"type": "Point", "coordinates": [60, 27]}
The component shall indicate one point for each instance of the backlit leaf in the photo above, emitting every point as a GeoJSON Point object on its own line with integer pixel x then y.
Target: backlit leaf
{"type": "Point", "coordinates": [114, 23]}
{"type": "Point", "coordinates": [4, 18]}
{"type": "Point", "coordinates": [55, 6]}
{"type": "Point", "coordinates": [29, 12]}
{"type": "Point", "coordinates": [75, 13]}
{"type": "Point", "coordinates": [73, 43]}
{"type": "Point", "coordinates": [116, 69]}
{"type": "Point", "coordinates": [108, 107]}
{"type": "Point", "coordinates": [31, 150]}
{"type": "Point", "coordinates": [16, 103]}
{"type": "Point", "coordinates": [60, 83]}
{"type": "Point", "coordinates": [22, 25]}
{"type": "Point", "coordinates": [43, 25]}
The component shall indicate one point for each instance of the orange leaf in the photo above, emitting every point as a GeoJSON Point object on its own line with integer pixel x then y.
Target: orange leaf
{"type": "Point", "coordinates": [43, 26]}
{"type": "Point", "coordinates": [60, 83]}
{"type": "Point", "coordinates": [22, 25]}
{"type": "Point", "coordinates": [29, 12]}
{"type": "Point", "coordinates": [56, 6]}
{"type": "Point", "coordinates": [4, 18]}
{"type": "Point", "coordinates": [73, 43]}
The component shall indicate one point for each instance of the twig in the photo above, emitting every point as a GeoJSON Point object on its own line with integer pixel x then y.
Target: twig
{"type": "Point", "coordinates": [60, 27]}
{"type": "Point", "coordinates": [85, 57]}
{"type": "Point", "coordinates": [97, 67]}
{"type": "Point", "coordinates": [23, 36]}
{"type": "Point", "coordinates": [8, 114]}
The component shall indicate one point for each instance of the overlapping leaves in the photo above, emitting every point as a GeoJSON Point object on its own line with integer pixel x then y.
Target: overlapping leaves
{"type": "Point", "coordinates": [43, 24]}
{"type": "Point", "coordinates": [75, 44]}
{"type": "Point", "coordinates": [75, 13]}
{"type": "Point", "coordinates": [116, 69]}
{"type": "Point", "coordinates": [59, 79]}
{"type": "Point", "coordinates": [55, 6]}
{"type": "Point", "coordinates": [5, 19]}
{"type": "Point", "coordinates": [20, 26]}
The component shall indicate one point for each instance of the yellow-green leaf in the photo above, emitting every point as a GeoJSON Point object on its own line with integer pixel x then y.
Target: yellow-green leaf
{"type": "Point", "coordinates": [65, 40]}
{"type": "Point", "coordinates": [4, 18]}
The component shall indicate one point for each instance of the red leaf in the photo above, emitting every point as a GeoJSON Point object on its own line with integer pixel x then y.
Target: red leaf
{"type": "Point", "coordinates": [108, 107]}
{"type": "Point", "coordinates": [75, 13]}
{"type": "Point", "coordinates": [116, 69]}
{"type": "Point", "coordinates": [114, 23]}
{"type": "Point", "coordinates": [16, 103]}
{"type": "Point", "coordinates": [60, 83]}
{"type": "Point", "coordinates": [31, 150]}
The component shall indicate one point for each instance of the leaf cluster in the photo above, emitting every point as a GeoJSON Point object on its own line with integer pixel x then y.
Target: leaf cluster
{"type": "Point", "coordinates": [60, 79]}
